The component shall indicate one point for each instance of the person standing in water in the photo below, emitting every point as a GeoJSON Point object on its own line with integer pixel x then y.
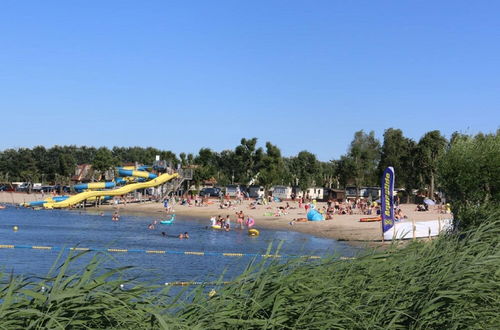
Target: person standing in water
{"type": "Point", "coordinates": [241, 218]}
{"type": "Point", "coordinates": [213, 221]}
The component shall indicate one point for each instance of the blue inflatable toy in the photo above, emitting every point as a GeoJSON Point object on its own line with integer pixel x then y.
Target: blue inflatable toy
{"type": "Point", "coordinates": [314, 215]}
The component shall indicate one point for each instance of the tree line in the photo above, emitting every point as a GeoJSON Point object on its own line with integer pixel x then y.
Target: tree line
{"type": "Point", "coordinates": [417, 163]}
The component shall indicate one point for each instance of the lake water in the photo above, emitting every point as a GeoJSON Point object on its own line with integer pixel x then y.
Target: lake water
{"type": "Point", "coordinates": [64, 228]}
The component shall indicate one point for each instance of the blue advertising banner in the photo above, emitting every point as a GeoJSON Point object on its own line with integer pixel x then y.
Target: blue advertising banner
{"type": "Point", "coordinates": [387, 199]}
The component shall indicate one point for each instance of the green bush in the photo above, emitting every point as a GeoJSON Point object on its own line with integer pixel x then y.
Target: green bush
{"type": "Point", "coordinates": [469, 172]}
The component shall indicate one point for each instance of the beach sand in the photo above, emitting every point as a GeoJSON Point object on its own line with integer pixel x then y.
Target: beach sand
{"type": "Point", "coordinates": [341, 227]}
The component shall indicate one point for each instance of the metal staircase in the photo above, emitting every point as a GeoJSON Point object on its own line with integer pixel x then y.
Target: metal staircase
{"type": "Point", "coordinates": [172, 186]}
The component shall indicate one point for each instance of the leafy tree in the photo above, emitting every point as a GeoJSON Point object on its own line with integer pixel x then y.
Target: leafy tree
{"type": "Point", "coordinates": [227, 165]}
{"type": "Point", "coordinates": [399, 152]}
{"type": "Point", "coordinates": [328, 174]}
{"type": "Point", "coordinates": [360, 164]}
{"type": "Point", "coordinates": [67, 165]}
{"type": "Point", "coordinates": [103, 160]}
{"type": "Point", "coordinates": [430, 147]}
{"type": "Point", "coordinates": [469, 172]}
{"type": "Point", "coordinates": [304, 169]}
{"type": "Point", "coordinates": [182, 155]}
{"type": "Point", "coordinates": [247, 157]}
{"type": "Point", "coordinates": [207, 165]}
{"type": "Point", "coordinates": [271, 167]}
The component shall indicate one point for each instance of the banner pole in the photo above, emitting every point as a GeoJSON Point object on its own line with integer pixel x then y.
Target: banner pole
{"type": "Point", "coordinates": [414, 228]}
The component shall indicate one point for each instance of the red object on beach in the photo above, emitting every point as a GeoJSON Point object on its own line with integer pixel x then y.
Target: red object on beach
{"type": "Point", "coordinates": [372, 219]}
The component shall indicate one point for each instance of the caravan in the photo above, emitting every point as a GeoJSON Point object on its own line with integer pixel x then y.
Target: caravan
{"type": "Point", "coordinates": [233, 190]}
{"type": "Point", "coordinates": [256, 191]}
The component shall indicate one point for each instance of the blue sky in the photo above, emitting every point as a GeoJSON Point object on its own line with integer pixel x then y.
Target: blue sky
{"type": "Point", "coordinates": [304, 75]}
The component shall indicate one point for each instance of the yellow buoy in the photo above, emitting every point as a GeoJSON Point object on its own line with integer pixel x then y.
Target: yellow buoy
{"type": "Point", "coordinates": [253, 232]}
{"type": "Point", "coordinates": [15, 228]}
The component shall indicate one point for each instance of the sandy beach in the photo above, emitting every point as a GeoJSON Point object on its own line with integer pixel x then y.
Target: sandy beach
{"type": "Point", "coordinates": [341, 227]}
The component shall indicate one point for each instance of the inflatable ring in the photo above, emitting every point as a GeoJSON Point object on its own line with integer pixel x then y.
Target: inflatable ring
{"type": "Point", "coordinates": [216, 227]}
{"type": "Point", "coordinates": [253, 232]}
{"type": "Point", "coordinates": [372, 219]}
{"type": "Point", "coordinates": [250, 222]}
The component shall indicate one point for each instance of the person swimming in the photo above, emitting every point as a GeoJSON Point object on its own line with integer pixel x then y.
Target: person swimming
{"type": "Point", "coordinates": [185, 235]}
{"type": "Point", "coordinates": [115, 216]}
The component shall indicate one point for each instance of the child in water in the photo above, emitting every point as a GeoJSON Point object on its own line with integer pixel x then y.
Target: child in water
{"type": "Point", "coordinates": [250, 222]}
{"type": "Point", "coordinates": [213, 221]}
{"type": "Point", "coordinates": [115, 216]}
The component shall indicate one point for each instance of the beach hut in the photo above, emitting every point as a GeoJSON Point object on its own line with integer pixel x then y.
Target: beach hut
{"type": "Point", "coordinates": [233, 190]}
{"type": "Point", "coordinates": [282, 192]}
{"type": "Point", "coordinates": [256, 191]}
{"type": "Point", "coordinates": [314, 193]}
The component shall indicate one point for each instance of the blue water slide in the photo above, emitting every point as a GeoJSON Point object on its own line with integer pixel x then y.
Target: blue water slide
{"type": "Point", "coordinates": [120, 181]}
{"type": "Point", "coordinates": [40, 203]}
{"type": "Point", "coordinates": [140, 174]}
{"type": "Point", "coordinates": [58, 199]}
{"type": "Point", "coordinates": [94, 185]}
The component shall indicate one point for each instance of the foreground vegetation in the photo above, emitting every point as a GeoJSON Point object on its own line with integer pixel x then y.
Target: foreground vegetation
{"type": "Point", "coordinates": [450, 282]}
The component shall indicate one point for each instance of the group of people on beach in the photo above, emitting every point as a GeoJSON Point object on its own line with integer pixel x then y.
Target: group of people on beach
{"type": "Point", "coordinates": [225, 223]}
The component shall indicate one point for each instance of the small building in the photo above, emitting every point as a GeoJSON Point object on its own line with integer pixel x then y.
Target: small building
{"type": "Point", "coordinates": [256, 191]}
{"type": "Point", "coordinates": [334, 194]}
{"type": "Point", "coordinates": [282, 192]}
{"type": "Point", "coordinates": [372, 193]}
{"type": "Point", "coordinates": [314, 193]}
{"type": "Point", "coordinates": [83, 173]}
{"type": "Point", "coordinates": [233, 190]}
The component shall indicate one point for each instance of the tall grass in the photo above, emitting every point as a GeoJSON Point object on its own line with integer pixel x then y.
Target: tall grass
{"type": "Point", "coordinates": [452, 282]}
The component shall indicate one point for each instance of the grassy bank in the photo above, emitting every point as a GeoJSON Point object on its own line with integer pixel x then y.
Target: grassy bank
{"type": "Point", "coordinates": [450, 282]}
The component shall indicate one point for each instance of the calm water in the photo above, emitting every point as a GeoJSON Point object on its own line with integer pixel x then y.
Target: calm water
{"type": "Point", "coordinates": [89, 229]}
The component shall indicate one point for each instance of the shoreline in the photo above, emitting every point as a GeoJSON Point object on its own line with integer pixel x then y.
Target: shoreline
{"type": "Point", "coordinates": [346, 228]}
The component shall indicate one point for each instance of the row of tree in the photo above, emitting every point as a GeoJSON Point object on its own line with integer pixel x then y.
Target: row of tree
{"type": "Point", "coordinates": [416, 163]}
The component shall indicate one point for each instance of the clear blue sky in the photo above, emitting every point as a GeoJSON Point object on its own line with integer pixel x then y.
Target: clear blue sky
{"type": "Point", "coordinates": [304, 75]}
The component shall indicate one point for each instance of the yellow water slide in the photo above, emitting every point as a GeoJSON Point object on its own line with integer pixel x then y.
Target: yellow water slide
{"type": "Point", "coordinates": [115, 192]}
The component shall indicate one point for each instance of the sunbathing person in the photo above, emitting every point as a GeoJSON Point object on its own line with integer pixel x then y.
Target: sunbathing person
{"type": "Point", "coordinates": [400, 215]}
{"type": "Point", "coordinates": [298, 220]}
